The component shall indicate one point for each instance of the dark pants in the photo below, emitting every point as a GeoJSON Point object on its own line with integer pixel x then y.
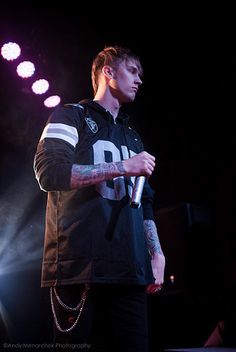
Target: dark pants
{"type": "Point", "coordinates": [114, 318]}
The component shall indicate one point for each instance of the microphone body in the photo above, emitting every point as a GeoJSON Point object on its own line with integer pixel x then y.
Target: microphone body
{"type": "Point", "coordinates": [137, 191]}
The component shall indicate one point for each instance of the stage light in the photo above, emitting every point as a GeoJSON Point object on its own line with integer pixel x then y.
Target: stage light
{"type": "Point", "coordinates": [52, 101]}
{"type": "Point", "coordinates": [40, 86]}
{"type": "Point", "coordinates": [172, 279]}
{"type": "Point", "coordinates": [25, 69]}
{"type": "Point", "coordinates": [10, 51]}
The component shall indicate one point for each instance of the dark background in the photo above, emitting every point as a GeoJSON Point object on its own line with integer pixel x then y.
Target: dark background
{"type": "Point", "coordinates": [185, 113]}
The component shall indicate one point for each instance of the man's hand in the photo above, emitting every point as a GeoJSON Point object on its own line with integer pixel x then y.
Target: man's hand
{"type": "Point", "coordinates": [158, 268]}
{"type": "Point", "coordinates": [141, 164]}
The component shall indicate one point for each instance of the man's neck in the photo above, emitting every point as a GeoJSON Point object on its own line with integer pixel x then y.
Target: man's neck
{"type": "Point", "coordinates": [109, 103]}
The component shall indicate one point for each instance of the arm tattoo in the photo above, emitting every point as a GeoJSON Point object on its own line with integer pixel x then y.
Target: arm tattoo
{"type": "Point", "coordinates": [153, 241]}
{"type": "Point", "coordinates": [87, 175]}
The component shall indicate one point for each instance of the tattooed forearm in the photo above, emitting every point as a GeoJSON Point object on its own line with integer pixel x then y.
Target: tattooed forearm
{"type": "Point", "coordinates": [86, 175]}
{"type": "Point", "coordinates": [153, 242]}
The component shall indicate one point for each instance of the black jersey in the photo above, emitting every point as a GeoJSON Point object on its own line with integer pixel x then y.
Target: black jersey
{"type": "Point", "coordinates": [92, 234]}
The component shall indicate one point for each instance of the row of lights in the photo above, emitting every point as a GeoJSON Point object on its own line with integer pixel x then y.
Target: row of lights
{"type": "Point", "coordinates": [11, 51]}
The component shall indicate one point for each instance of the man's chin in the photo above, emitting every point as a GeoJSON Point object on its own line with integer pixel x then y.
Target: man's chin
{"type": "Point", "coordinates": [129, 99]}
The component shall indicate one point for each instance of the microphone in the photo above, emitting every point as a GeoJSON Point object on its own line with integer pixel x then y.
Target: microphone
{"type": "Point", "coordinates": [137, 191]}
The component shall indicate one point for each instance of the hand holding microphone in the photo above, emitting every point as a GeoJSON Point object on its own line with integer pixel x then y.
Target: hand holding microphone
{"type": "Point", "coordinates": [140, 165]}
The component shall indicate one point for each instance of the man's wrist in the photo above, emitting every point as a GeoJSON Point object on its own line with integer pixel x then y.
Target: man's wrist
{"type": "Point", "coordinates": [121, 167]}
{"type": "Point", "coordinates": [156, 254]}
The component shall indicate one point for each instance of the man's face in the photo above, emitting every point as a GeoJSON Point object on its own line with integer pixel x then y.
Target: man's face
{"type": "Point", "coordinates": [126, 81]}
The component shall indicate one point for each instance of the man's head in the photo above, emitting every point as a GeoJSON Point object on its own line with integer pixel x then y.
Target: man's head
{"type": "Point", "coordinates": [112, 57]}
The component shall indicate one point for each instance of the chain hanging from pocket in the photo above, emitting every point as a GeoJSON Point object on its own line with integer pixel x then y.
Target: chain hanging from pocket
{"type": "Point", "coordinates": [79, 307]}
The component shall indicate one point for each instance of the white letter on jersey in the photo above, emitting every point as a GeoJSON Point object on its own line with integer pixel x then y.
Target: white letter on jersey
{"type": "Point", "coordinates": [117, 192]}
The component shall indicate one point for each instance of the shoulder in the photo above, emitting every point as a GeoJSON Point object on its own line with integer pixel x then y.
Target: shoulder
{"type": "Point", "coordinates": [70, 113]}
{"type": "Point", "coordinates": [74, 106]}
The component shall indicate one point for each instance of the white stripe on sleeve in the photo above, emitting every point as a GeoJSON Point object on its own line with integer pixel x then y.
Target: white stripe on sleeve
{"type": "Point", "coordinates": [60, 130]}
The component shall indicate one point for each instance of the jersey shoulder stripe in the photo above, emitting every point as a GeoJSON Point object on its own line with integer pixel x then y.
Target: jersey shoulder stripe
{"type": "Point", "coordinates": [61, 131]}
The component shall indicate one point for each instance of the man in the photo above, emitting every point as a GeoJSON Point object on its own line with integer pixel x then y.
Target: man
{"type": "Point", "coordinates": [101, 255]}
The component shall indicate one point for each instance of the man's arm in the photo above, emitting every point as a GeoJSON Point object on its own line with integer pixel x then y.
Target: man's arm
{"type": "Point", "coordinates": [86, 175]}
{"type": "Point", "coordinates": [157, 256]}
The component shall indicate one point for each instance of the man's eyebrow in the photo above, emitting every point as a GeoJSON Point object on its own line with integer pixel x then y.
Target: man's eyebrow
{"type": "Point", "coordinates": [133, 66]}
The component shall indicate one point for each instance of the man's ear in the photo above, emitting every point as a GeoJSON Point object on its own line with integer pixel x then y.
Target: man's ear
{"type": "Point", "coordinates": [107, 71]}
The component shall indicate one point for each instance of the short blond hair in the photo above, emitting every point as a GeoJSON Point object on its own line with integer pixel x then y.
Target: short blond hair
{"type": "Point", "coordinates": [112, 56]}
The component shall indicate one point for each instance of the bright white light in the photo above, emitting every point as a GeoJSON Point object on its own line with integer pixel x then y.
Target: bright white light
{"type": "Point", "coordinates": [25, 69]}
{"type": "Point", "coordinates": [10, 51]}
{"type": "Point", "coordinates": [19, 250]}
{"type": "Point", "coordinates": [40, 86]}
{"type": "Point", "coordinates": [52, 101]}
